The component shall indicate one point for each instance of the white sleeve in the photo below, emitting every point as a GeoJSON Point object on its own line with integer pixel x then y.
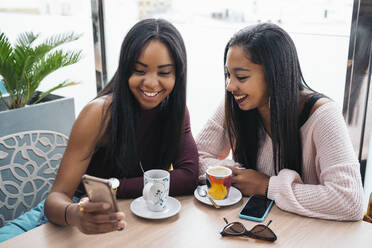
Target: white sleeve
{"type": "Point", "coordinates": [339, 194]}
{"type": "Point", "coordinates": [212, 142]}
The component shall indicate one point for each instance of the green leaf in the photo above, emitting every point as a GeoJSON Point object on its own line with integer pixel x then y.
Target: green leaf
{"type": "Point", "coordinates": [52, 62]}
{"type": "Point", "coordinates": [24, 66]}
{"type": "Point", "coordinates": [26, 39]}
{"type": "Point", "coordinates": [60, 39]}
{"type": "Point", "coordinates": [59, 86]}
{"type": "Point", "coordinates": [5, 49]}
{"type": "Point", "coordinates": [7, 72]}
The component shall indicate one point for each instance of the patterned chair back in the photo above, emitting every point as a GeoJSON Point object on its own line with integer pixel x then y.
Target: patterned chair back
{"type": "Point", "coordinates": [29, 163]}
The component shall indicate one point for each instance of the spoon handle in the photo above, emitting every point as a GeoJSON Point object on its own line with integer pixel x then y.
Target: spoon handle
{"type": "Point", "coordinates": [213, 202]}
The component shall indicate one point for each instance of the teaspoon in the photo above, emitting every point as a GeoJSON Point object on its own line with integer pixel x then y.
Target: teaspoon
{"type": "Point", "coordinates": [203, 193]}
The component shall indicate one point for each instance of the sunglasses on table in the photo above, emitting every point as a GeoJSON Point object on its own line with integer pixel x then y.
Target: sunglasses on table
{"type": "Point", "coordinates": [259, 231]}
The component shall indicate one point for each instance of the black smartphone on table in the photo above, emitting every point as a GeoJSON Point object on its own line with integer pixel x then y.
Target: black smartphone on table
{"type": "Point", "coordinates": [256, 208]}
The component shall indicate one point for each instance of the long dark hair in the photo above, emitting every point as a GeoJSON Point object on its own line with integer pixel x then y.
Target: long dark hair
{"type": "Point", "coordinates": [122, 114]}
{"type": "Point", "coordinates": [271, 47]}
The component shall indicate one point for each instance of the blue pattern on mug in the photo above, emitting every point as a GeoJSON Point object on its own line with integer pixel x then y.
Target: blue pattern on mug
{"type": "Point", "coordinates": [157, 192]}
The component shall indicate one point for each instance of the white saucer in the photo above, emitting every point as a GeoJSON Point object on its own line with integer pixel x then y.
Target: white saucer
{"type": "Point", "coordinates": [139, 208]}
{"type": "Point", "coordinates": [234, 196]}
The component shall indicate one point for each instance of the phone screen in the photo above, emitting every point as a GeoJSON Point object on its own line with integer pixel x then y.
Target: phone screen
{"type": "Point", "coordinates": [256, 206]}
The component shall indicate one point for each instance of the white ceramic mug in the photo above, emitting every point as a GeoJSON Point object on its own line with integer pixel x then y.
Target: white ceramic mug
{"type": "Point", "coordinates": [156, 189]}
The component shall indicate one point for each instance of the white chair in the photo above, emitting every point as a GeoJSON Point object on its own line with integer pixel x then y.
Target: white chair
{"type": "Point", "coordinates": [29, 162]}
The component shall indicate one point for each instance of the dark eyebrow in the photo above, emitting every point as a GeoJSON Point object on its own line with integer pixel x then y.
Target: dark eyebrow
{"type": "Point", "coordinates": [140, 63]}
{"type": "Point", "coordinates": [160, 66]}
{"type": "Point", "coordinates": [167, 65]}
{"type": "Point", "coordinates": [240, 69]}
{"type": "Point", "coordinates": [237, 69]}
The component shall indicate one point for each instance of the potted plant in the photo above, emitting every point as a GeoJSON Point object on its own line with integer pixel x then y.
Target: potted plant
{"type": "Point", "coordinates": [23, 67]}
{"type": "Point", "coordinates": [34, 125]}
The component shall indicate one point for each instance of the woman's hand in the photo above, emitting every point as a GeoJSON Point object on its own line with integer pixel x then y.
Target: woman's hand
{"type": "Point", "coordinates": [249, 182]}
{"type": "Point", "coordinates": [92, 217]}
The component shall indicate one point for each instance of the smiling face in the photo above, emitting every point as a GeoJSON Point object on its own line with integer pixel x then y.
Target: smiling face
{"type": "Point", "coordinates": [154, 76]}
{"type": "Point", "coordinates": [245, 80]}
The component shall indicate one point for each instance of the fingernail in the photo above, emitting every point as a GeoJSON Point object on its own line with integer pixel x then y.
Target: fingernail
{"type": "Point", "coordinates": [106, 206]}
{"type": "Point", "coordinates": [121, 225]}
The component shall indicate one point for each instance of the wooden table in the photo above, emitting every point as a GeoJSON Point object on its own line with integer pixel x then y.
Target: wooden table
{"type": "Point", "coordinates": [198, 225]}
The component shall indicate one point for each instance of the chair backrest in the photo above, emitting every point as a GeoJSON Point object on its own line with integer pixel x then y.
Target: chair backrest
{"type": "Point", "coordinates": [29, 163]}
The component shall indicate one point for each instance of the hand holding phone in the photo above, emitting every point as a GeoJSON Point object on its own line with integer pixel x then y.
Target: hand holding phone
{"type": "Point", "coordinates": [256, 208]}
{"type": "Point", "coordinates": [92, 216]}
{"type": "Point", "coordinates": [100, 190]}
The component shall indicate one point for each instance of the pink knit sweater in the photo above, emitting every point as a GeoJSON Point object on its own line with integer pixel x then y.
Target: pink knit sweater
{"type": "Point", "coordinates": [330, 187]}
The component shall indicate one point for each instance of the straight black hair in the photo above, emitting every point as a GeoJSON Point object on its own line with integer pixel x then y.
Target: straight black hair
{"type": "Point", "coordinates": [270, 46]}
{"type": "Point", "coordinates": [122, 114]}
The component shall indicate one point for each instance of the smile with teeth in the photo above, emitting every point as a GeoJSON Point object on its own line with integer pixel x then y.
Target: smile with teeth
{"type": "Point", "coordinates": [150, 94]}
{"type": "Point", "coordinates": [240, 98]}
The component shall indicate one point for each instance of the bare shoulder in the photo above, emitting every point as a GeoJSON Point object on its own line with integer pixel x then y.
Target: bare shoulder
{"type": "Point", "coordinates": [319, 103]}
{"type": "Point", "coordinates": [96, 108]}
{"type": "Point", "coordinates": [90, 119]}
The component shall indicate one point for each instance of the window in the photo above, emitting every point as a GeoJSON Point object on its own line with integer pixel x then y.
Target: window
{"type": "Point", "coordinates": [319, 28]}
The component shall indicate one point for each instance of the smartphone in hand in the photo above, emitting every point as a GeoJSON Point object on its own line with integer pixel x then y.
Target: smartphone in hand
{"type": "Point", "coordinates": [256, 208]}
{"type": "Point", "coordinates": [100, 190]}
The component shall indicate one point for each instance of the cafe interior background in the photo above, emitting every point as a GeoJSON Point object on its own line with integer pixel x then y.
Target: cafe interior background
{"type": "Point", "coordinates": [326, 34]}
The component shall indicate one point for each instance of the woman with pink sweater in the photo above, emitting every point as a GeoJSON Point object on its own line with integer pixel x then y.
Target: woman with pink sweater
{"type": "Point", "coordinates": [288, 142]}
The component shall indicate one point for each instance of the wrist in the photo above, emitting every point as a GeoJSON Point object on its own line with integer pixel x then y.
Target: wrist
{"type": "Point", "coordinates": [71, 214]}
{"type": "Point", "coordinates": [66, 213]}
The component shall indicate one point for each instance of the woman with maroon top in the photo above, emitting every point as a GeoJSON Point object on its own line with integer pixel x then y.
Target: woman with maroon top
{"type": "Point", "coordinates": [138, 120]}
